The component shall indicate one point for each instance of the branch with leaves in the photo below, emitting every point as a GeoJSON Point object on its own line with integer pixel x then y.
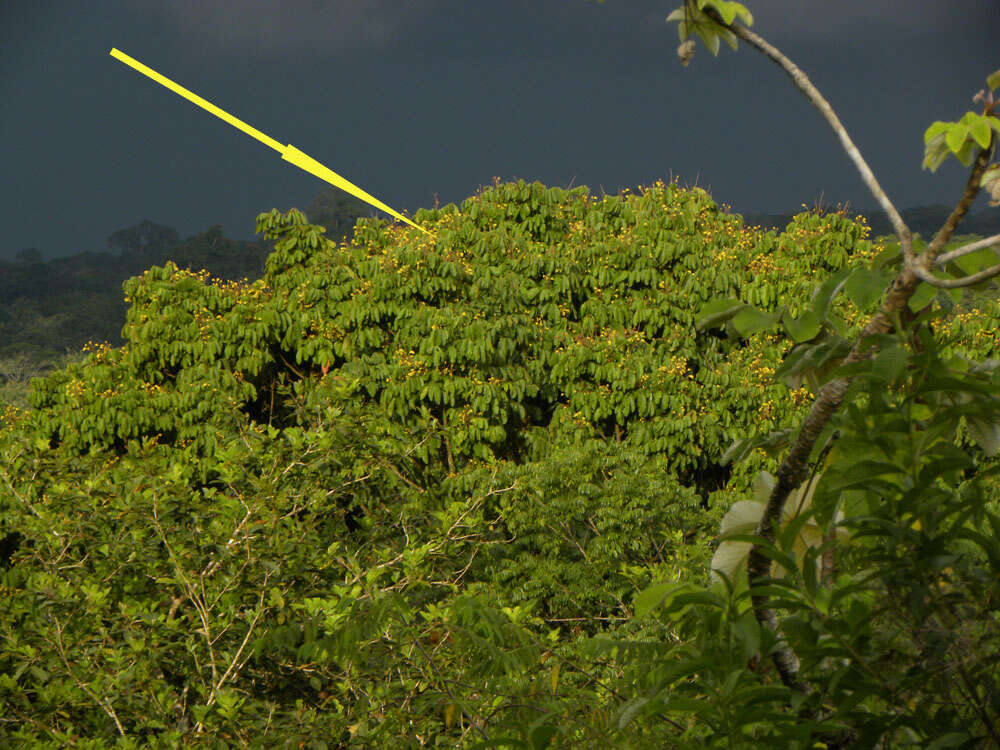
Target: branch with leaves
{"type": "Point", "coordinates": [972, 140]}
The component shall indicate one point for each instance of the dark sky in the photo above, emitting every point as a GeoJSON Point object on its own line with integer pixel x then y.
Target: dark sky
{"type": "Point", "coordinates": [409, 99]}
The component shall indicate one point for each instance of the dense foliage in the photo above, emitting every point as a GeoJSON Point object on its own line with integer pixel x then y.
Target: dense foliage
{"type": "Point", "coordinates": [403, 491]}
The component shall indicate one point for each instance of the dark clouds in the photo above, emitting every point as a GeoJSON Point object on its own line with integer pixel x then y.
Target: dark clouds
{"type": "Point", "coordinates": [409, 99]}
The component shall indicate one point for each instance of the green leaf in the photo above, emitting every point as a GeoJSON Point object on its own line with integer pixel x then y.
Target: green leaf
{"type": "Point", "coordinates": [729, 37]}
{"type": "Point", "coordinates": [743, 516]}
{"type": "Point", "coordinates": [977, 261]}
{"type": "Point", "coordinates": [762, 694]}
{"type": "Point", "coordinates": [744, 13]}
{"type": "Point", "coordinates": [717, 312]}
{"type": "Point", "coordinates": [922, 296]}
{"type": "Point", "coordinates": [656, 596]}
{"type": "Point", "coordinates": [827, 291]}
{"type": "Point", "coordinates": [981, 132]}
{"type": "Point", "coordinates": [678, 14]}
{"type": "Point", "coordinates": [966, 153]}
{"type": "Point", "coordinates": [750, 320]}
{"type": "Point", "coordinates": [710, 37]}
{"type": "Point", "coordinates": [736, 452]}
{"type": "Point", "coordinates": [993, 80]}
{"type": "Point", "coordinates": [889, 363]}
{"type": "Point", "coordinates": [727, 11]}
{"type": "Point", "coordinates": [631, 709]}
{"type": "Point", "coordinates": [886, 258]}
{"type": "Point", "coordinates": [935, 130]}
{"type": "Point", "coordinates": [864, 287]}
{"type": "Point", "coordinates": [986, 433]}
{"type": "Point", "coordinates": [956, 136]}
{"type": "Point", "coordinates": [802, 328]}
{"type": "Point", "coordinates": [683, 28]}
{"type": "Point", "coordinates": [860, 474]}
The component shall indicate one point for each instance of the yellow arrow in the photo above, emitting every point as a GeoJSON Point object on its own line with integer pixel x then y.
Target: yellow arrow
{"type": "Point", "coordinates": [288, 153]}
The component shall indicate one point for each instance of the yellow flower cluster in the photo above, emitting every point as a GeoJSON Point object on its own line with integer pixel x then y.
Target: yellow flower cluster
{"type": "Point", "coordinates": [800, 396]}
{"type": "Point", "coordinates": [75, 388]}
{"type": "Point", "coordinates": [762, 265]}
{"type": "Point", "coordinates": [677, 367]}
{"type": "Point", "coordinates": [407, 359]}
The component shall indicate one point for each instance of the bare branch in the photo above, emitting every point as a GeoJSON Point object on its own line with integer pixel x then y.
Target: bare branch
{"type": "Point", "coordinates": [966, 249]}
{"type": "Point", "coordinates": [802, 82]}
{"type": "Point", "coordinates": [987, 273]}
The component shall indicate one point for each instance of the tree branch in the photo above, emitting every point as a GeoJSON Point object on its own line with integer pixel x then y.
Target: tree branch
{"type": "Point", "coordinates": [794, 467]}
{"type": "Point", "coordinates": [929, 278]}
{"type": "Point", "coordinates": [802, 82]}
{"type": "Point", "coordinates": [966, 249]}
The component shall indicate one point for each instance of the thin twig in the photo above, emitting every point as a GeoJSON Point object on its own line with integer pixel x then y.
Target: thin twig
{"type": "Point", "coordinates": [108, 708]}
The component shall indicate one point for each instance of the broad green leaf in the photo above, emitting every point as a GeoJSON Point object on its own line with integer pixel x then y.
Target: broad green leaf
{"type": "Point", "coordinates": [726, 10]}
{"type": "Point", "coordinates": [864, 287]}
{"type": "Point", "coordinates": [938, 128]}
{"type": "Point", "coordinates": [729, 558]}
{"type": "Point", "coordinates": [981, 132]}
{"type": "Point", "coordinates": [993, 80]}
{"type": "Point", "coordinates": [800, 499]}
{"type": "Point", "coordinates": [802, 328]}
{"type": "Point", "coordinates": [952, 739]}
{"type": "Point", "coordinates": [966, 153]}
{"type": "Point", "coordinates": [860, 474]}
{"type": "Point", "coordinates": [632, 708]}
{"type": "Point", "coordinates": [750, 320]}
{"type": "Point", "coordinates": [744, 13]}
{"type": "Point", "coordinates": [763, 486]}
{"type": "Point", "coordinates": [955, 137]}
{"type": "Point", "coordinates": [717, 312]}
{"type": "Point", "coordinates": [825, 293]}
{"type": "Point", "coordinates": [986, 433]}
{"type": "Point", "coordinates": [889, 363]}
{"type": "Point", "coordinates": [742, 517]}
{"type": "Point", "coordinates": [657, 595]}
{"type": "Point", "coordinates": [922, 296]}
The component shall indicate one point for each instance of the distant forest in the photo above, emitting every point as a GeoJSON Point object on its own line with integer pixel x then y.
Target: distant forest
{"type": "Point", "coordinates": [53, 307]}
{"type": "Point", "coordinates": [50, 310]}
